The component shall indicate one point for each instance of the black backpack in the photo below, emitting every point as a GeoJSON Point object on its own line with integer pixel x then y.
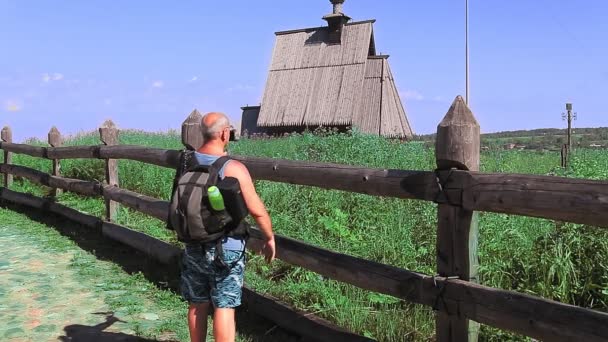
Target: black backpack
{"type": "Point", "coordinates": [190, 213]}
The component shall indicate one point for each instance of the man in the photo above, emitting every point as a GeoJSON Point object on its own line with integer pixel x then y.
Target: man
{"type": "Point", "coordinates": [203, 282]}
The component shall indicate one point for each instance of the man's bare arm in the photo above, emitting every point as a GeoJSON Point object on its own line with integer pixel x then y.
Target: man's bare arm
{"type": "Point", "coordinates": [254, 204]}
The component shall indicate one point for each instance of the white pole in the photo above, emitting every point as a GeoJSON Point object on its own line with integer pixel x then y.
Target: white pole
{"type": "Point", "coordinates": [467, 48]}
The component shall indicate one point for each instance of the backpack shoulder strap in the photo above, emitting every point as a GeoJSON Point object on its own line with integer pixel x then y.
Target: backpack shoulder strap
{"type": "Point", "coordinates": [214, 169]}
{"type": "Point", "coordinates": [185, 157]}
{"type": "Point", "coordinates": [220, 162]}
{"type": "Point", "coordinates": [186, 161]}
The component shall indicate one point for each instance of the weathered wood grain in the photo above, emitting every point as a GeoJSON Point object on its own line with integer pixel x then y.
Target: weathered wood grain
{"type": "Point", "coordinates": [148, 205]}
{"type": "Point", "coordinates": [34, 151]}
{"type": "Point", "coordinates": [527, 315]}
{"type": "Point", "coordinates": [558, 198]}
{"type": "Point", "coordinates": [150, 155]}
{"type": "Point", "coordinates": [457, 146]}
{"type": "Point", "coordinates": [153, 248]}
{"type": "Point", "coordinates": [54, 137]}
{"type": "Point", "coordinates": [55, 140]}
{"type": "Point", "coordinates": [457, 136]}
{"type": "Point", "coordinates": [72, 185]}
{"type": "Point", "coordinates": [74, 215]}
{"type": "Point", "coordinates": [73, 152]}
{"type": "Point", "coordinates": [49, 205]}
{"type": "Point", "coordinates": [109, 136]}
{"type": "Point", "coordinates": [192, 136]}
{"type": "Point", "coordinates": [380, 182]}
{"type": "Point", "coordinates": [301, 323]}
{"type": "Point", "coordinates": [362, 273]}
{"type": "Point", "coordinates": [156, 156]}
{"type": "Point", "coordinates": [528, 195]}
{"type": "Point", "coordinates": [6, 136]}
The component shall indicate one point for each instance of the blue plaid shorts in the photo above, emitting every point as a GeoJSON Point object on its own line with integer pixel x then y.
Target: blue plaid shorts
{"type": "Point", "coordinates": [202, 280]}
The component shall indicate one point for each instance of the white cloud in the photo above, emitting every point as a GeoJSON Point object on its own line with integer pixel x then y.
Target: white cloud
{"type": "Point", "coordinates": [194, 79]}
{"type": "Point", "coordinates": [413, 95]}
{"type": "Point", "coordinates": [158, 84]}
{"type": "Point", "coordinates": [46, 77]}
{"type": "Point", "coordinates": [13, 106]}
{"type": "Point", "coordinates": [240, 87]}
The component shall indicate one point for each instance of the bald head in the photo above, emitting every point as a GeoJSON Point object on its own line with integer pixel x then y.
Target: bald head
{"type": "Point", "coordinates": [212, 125]}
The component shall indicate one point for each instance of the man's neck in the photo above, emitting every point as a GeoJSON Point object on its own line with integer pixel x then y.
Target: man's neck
{"type": "Point", "coordinates": [213, 149]}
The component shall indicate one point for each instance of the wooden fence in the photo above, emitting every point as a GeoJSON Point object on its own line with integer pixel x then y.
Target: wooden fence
{"type": "Point", "coordinates": [456, 186]}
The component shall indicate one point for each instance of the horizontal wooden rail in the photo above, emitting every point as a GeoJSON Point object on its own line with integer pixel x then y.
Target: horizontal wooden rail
{"type": "Point", "coordinates": [381, 182]}
{"type": "Point", "coordinates": [156, 156]}
{"type": "Point", "coordinates": [72, 152]}
{"type": "Point", "coordinates": [41, 203]}
{"type": "Point", "coordinates": [34, 151]}
{"type": "Point", "coordinates": [153, 248]}
{"type": "Point", "coordinates": [304, 324]}
{"type": "Point", "coordinates": [39, 177]}
{"type": "Point", "coordinates": [300, 322]}
{"type": "Point", "coordinates": [520, 313]}
{"type": "Point", "coordinates": [150, 155]}
{"type": "Point", "coordinates": [558, 198]}
{"type": "Point", "coordinates": [574, 200]}
{"type": "Point", "coordinates": [531, 316]}
{"type": "Point", "coordinates": [149, 205]}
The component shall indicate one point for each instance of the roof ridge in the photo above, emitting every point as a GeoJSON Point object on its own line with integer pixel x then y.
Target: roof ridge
{"type": "Point", "coordinates": [277, 33]}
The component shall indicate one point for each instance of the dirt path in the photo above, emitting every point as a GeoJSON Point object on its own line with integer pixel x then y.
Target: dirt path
{"type": "Point", "coordinates": [39, 292]}
{"type": "Point", "coordinates": [41, 295]}
{"type": "Point", "coordinates": [57, 283]}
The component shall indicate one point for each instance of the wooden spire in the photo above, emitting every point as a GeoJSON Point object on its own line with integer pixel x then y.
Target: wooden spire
{"type": "Point", "coordinates": [457, 144]}
{"type": "Point", "coordinates": [108, 133]}
{"type": "Point", "coordinates": [55, 137]}
{"type": "Point", "coordinates": [192, 136]}
{"type": "Point", "coordinates": [7, 134]}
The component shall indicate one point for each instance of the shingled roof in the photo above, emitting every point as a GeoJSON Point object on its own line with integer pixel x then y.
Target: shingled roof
{"type": "Point", "coordinates": [315, 80]}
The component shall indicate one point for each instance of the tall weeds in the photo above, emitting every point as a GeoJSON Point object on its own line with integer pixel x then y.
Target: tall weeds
{"type": "Point", "coordinates": [565, 262]}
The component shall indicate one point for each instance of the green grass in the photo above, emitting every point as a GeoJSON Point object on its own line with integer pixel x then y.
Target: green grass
{"type": "Point", "coordinates": [128, 296]}
{"type": "Point", "coordinates": [565, 262]}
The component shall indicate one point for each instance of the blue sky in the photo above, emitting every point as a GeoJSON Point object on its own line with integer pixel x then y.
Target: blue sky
{"type": "Point", "coordinates": [147, 64]}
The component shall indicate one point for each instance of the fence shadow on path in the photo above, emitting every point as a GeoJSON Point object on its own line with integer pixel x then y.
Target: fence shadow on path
{"type": "Point", "coordinates": [96, 333]}
{"type": "Point", "coordinates": [255, 328]}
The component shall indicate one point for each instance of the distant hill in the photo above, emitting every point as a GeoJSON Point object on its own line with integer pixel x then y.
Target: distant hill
{"type": "Point", "coordinates": [539, 139]}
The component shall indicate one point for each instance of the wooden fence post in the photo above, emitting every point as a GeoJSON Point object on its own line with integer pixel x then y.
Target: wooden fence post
{"type": "Point", "coordinates": [55, 141]}
{"type": "Point", "coordinates": [192, 136]}
{"type": "Point", "coordinates": [7, 136]}
{"type": "Point", "coordinates": [109, 136]}
{"type": "Point", "coordinates": [457, 146]}
{"type": "Point", "coordinates": [565, 155]}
